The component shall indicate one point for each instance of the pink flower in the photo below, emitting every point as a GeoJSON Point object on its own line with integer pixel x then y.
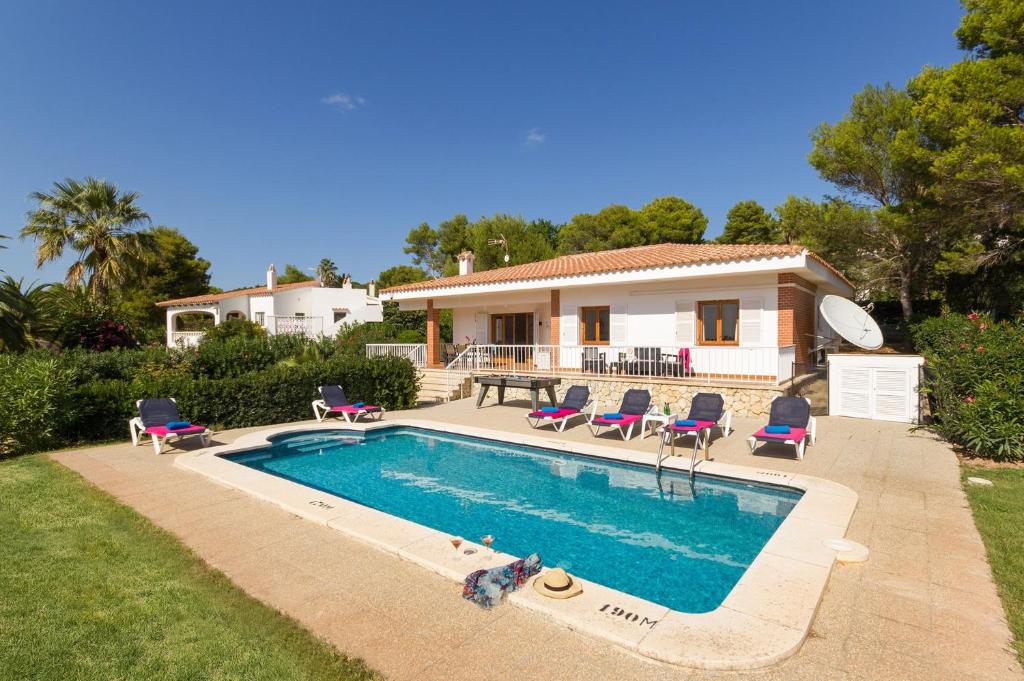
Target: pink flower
{"type": "Point", "coordinates": [973, 316]}
{"type": "Point", "coordinates": [969, 399]}
{"type": "Point", "coordinates": [982, 326]}
{"type": "Point", "coordinates": [963, 346]}
{"type": "Point", "coordinates": [980, 348]}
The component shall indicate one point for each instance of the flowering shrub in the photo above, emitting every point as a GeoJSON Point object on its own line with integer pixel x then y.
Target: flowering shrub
{"type": "Point", "coordinates": [975, 377]}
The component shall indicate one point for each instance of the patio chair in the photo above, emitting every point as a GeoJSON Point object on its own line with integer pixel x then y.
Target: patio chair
{"type": "Point", "coordinates": [575, 403]}
{"type": "Point", "coordinates": [159, 418]}
{"type": "Point", "coordinates": [707, 411]}
{"type": "Point", "coordinates": [635, 403]}
{"type": "Point", "coordinates": [790, 422]}
{"type": "Point", "coordinates": [594, 361]}
{"type": "Point", "coordinates": [647, 362]}
{"type": "Point", "coordinates": [679, 365]}
{"type": "Point", "coordinates": [334, 403]}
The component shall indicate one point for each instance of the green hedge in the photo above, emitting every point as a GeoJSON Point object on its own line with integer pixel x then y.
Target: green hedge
{"type": "Point", "coordinates": [975, 378]}
{"type": "Point", "coordinates": [53, 401]}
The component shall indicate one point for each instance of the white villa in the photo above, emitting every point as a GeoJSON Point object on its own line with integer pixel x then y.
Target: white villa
{"type": "Point", "coordinates": [306, 308]}
{"type": "Point", "coordinates": [740, 313]}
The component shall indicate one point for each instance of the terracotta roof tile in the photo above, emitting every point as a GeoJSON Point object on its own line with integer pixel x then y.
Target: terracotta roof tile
{"type": "Point", "coordinates": [623, 259]}
{"type": "Point", "coordinates": [253, 291]}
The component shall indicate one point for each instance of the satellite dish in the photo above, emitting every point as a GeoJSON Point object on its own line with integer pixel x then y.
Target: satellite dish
{"type": "Point", "coordinates": [851, 321]}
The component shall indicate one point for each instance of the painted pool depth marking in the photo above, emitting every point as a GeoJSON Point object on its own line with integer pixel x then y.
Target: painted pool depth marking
{"type": "Point", "coordinates": [615, 524]}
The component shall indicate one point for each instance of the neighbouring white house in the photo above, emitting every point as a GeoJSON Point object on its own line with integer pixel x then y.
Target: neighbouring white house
{"type": "Point", "coordinates": [307, 308]}
{"type": "Point", "coordinates": [683, 312]}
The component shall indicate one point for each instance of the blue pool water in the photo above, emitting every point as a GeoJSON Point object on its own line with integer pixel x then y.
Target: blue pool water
{"type": "Point", "coordinates": [615, 524]}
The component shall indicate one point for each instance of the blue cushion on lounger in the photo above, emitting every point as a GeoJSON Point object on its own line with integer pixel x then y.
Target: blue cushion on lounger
{"type": "Point", "coordinates": [777, 430]}
{"type": "Point", "coordinates": [612, 415]}
{"type": "Point", "coordinates": [550, 410]}
{"type": "Point", "coordinates": [178, 425]}
{"type": "Point", "coordinates": [686, 422]}
{"type": "Point", "coordinates": [359, 405]}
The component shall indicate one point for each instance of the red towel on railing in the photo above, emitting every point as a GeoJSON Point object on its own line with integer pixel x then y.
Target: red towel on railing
{"type": "Point", "coordinates": [684, 359]}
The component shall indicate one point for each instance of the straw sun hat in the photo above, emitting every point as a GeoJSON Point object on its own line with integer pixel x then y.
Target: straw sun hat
{"type": "Point", "coordinates": [557, 583]}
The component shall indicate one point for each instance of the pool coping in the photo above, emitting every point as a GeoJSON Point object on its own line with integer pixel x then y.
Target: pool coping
{"type": "Point", "coordinates": [762, 621]}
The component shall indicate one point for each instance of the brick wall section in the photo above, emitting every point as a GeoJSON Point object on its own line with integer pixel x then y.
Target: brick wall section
{"type": "Point", "coordinates": [433, 336]}
{"type": "Point", "coordinates": [556, 316]}
{"type": "Point", "coordinates": [796, 315]}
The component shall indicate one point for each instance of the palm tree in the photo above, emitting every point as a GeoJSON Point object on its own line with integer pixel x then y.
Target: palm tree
{"type": "Point", "coordinates": [327, 272]}
{"type": "Point", "coordinates": [25, 319]}
{"type": "Point", "coordinates": [97, 222]}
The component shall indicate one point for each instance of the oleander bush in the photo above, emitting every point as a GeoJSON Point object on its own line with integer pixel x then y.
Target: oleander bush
{"type": "Point", "coordinates": [974, 376]}
{"type": "Point", "coordinates": [50, 400]}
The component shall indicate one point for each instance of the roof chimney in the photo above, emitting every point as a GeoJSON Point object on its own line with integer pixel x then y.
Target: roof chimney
{"type": "Point", "coordinates": [371, 289]}
{"type": "Point", "coordinates": [271, 277]}
{"type": "Point", "coordinates": [466, 262]}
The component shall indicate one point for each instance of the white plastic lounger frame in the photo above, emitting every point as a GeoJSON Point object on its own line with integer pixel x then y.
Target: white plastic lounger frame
{"type": "Point", "coordinates": [595, 428]}
{"type": "Point", "coordinates": [670, 435]}
{"type": "Point", "coordinates": [137, 428]}
{"type": "Point", "coordinates": [322, 411]}
{"type": "Point", "coordinates": [809, 437]}
{"type": "Point", "coordinates": [559, 421]}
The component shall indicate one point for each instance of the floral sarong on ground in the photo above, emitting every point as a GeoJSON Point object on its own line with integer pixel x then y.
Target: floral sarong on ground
{"type": "Point", "coordinates": [486, 588]}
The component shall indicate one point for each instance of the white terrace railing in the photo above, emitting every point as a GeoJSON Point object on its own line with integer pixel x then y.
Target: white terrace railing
{"type": "Point", "coordinates": [186, 339]}
{"type": "Point", "coordinates": [298, 326]}
{"type": "Point", "coordinates": [414, 352]}
{"type": "Point", "coordinates": [707, 365]}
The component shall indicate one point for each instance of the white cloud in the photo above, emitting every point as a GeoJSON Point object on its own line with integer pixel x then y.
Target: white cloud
{"type": "Point", "coordinates": [534, 137]}
{"type": "Point", "coordinates": [343, 101]}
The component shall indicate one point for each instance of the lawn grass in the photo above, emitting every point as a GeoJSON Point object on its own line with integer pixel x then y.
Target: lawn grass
{"type": "Point", "coordinates": [89, 589]}
{"type": "Point", "coordinates": [999, 515]}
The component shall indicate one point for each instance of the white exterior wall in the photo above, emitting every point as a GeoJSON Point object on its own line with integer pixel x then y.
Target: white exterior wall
{"type": "Point", "coordinates": [643, 315]}
{"type": "Point", "coordinates": [473, 324]}
{"type": "Point", "coordinates": [264, 304]}
{"type": "Point", "coordinates": [236, 304]}
{"type": "Point", "coordinates": [650, 314]}
{"type": "Point", "coordinates": [323, 301]}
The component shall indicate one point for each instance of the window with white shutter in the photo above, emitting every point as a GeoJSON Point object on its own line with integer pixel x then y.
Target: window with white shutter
{"type": "Point", "coordinates": [750, 321]}
{"type": "Point", "coordinates": [685, 323]}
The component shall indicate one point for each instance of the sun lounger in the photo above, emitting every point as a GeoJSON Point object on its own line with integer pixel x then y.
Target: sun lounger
{"type": "Point", "coordinates": [156, 416]}
{"type": "Point", "coordinates": [707, 411]}
{"type": "Point", "coordinates": [790, 422]}
{"type": "Point", "coordinates": [334, 403]}
{"type": "Point", "coordinates": [575, 402]}
{"type": "Point", "coordinates": [635, 403]}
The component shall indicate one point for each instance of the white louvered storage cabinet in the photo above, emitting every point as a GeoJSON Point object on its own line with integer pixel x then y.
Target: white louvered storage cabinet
{"type": "Point", "coordinates": [880, 387]}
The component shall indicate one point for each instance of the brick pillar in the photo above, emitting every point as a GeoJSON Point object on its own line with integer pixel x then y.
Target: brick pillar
{"type": "Point", "coordinates": [433, 336]}
{"type": "Point", "coordinates": [556, 317]}
{"type": "Point", "coordinates": [556, 325]}
{"type": "Point", "coordinates": [796, 315]}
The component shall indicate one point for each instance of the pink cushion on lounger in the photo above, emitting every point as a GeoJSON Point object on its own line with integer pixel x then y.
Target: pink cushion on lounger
{"type": "Point", "coordinates": [560, 414]}
{"type": "Point", "coordinates": [161, 431]}
{"type": "Point", "coordinates": [349, 409]}
{"type": "Point", "coordinates": [794, 434]}
{"type": "Point", "coordinates": [701, 425]}
{"type": "Point", "coordinates": [625, 420]}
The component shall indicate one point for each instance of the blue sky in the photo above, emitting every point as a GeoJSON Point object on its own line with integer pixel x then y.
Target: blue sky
{"type": "Point", "coordinates": [287, 132]}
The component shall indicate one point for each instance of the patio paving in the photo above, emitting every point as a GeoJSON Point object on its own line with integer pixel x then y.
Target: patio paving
{"type": "Point", "coordinates": [923, 607]}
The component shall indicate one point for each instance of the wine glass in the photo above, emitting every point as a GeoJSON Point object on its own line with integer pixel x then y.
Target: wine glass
{"type": "Point", "coordinates": [487, 540]}
{"type": "Point", "coordinates": [456, 543]}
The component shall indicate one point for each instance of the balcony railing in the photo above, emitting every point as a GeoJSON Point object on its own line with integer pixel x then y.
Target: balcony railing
{"type": "Point", "coordinates": [298, 326]}
{"type": "Point", "coordinates": [186, 339]}
{"type": "Point", "coordinates": [414, 352]}
{"type": "Point", "coordinates": [706, 364]}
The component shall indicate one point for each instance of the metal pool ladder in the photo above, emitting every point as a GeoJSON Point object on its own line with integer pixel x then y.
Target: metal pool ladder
{"type": "Point", "coordinates": [667, 433]}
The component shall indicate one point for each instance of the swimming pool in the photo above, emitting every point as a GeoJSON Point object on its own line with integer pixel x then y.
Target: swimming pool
{"type": "Point", "coordinates": [617, 524]}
